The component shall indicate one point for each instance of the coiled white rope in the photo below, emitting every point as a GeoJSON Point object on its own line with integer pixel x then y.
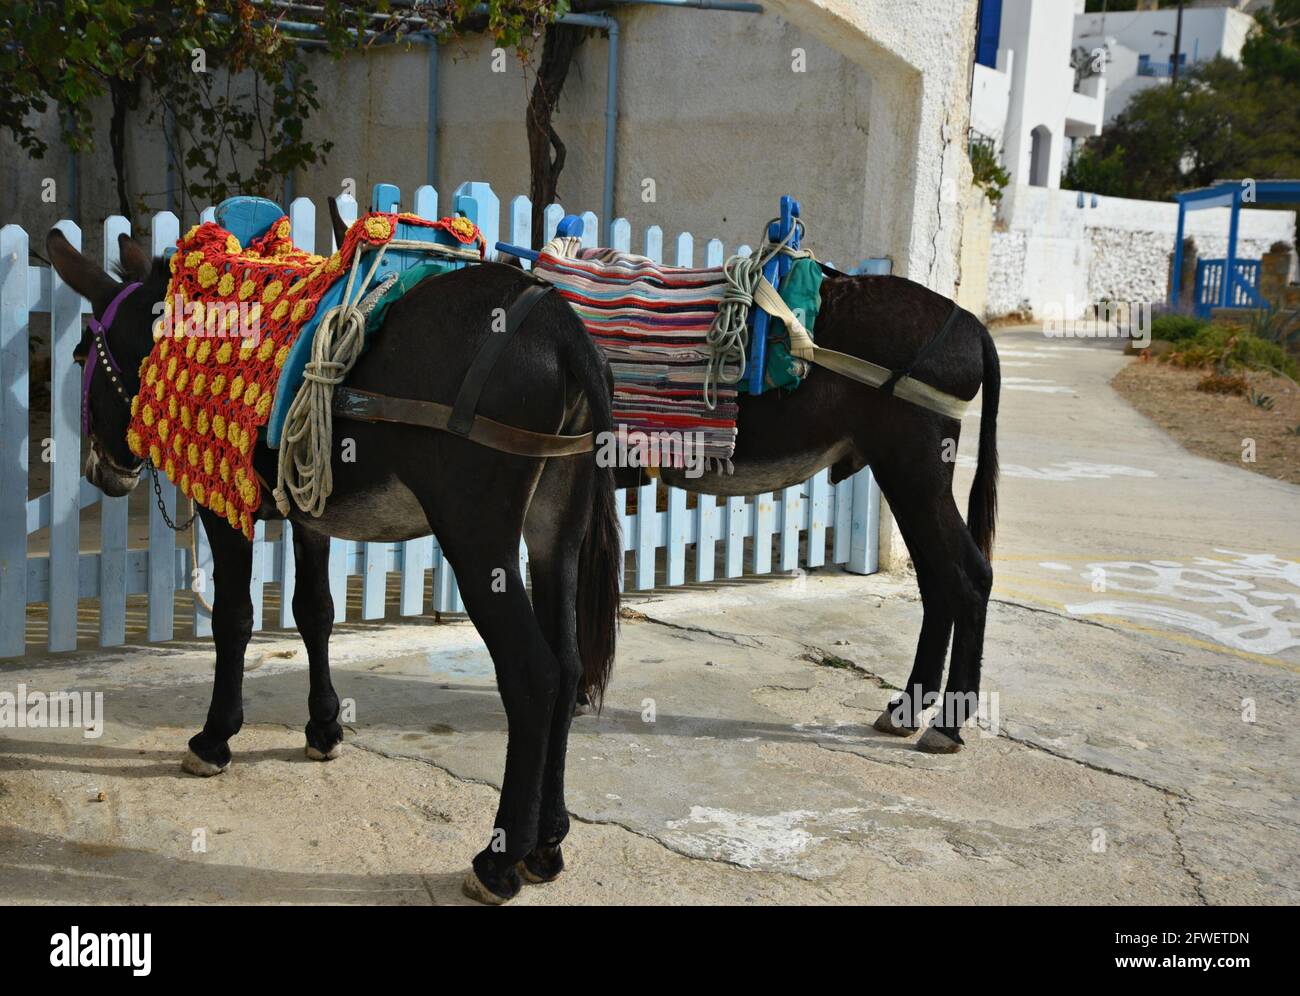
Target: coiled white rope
{"type": "Point", "coordinates": [728, 336]}
{"type": "Point", "coordinates": [304, 470]}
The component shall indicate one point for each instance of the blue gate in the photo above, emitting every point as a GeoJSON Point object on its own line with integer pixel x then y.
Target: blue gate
{"type": "Point", "coordinates": [1210, 290]}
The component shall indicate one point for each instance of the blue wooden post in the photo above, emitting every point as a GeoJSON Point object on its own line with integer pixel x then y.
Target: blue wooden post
{"type": "Point", "coordinates": [654, 243]}
{"type": "Point", "coordinates": [257, 580]}
{"type": "Point", "coordinates": [734, 550]}
{"type": "Point", "coordinates": [386, 197]}
{"type": "Point", "coordinates": [113, 522]}
{"type": "Point", "coordinates": [764, 524]}
{"type": "Point", "coordinates": [417, 555]}
{"type": "Point", "coordinates": [481, 206]}
{"type": "Point", "coordinates": [773, 272]}
{"type": "Point", "coordinates": [713, 253]}
{"type": "Point", "coordinates": [818, 516]}
{"type": "Point", "coordinates": [286, 567]}
{"type": "Point", "coordinates": [374, 581]}
{"type": "Point", "coordinates": [1228, 298]}
{"type": "Point", "coordinates": [426, 202]}
{"type": "Point", "coordinates": [1176, 278]}
{"type": "Point", "coordinates": [14, 365]}
{"type": "Point", "coordinates": [521, 226]}
{"type": "Point", "coordinates": [791, 521]}
{"type": "Point", "coordinates": [646, 533]}
{"type": "Point", "coordinates": [624, 530]}
{"type": "Point", "coordinates": [551, 218]}
{"type": "Point", "coordinates": [843, 537]}
{"type": "Point", "coordinates": [590, 230]}
{"type": "Point", "coordinates": [302, 224]}
{"type": "Point", "coordinates": [621, 235]}
{"type": "Point", "coordinates": [65, 469]}
{"type": "Point", "coordinates": [340, 551]}
{"type": "Point", "coordinates": [865, 527]}
{"type": "Point", "coordinates": [347, 205]}
{"type": "Point", "coordinates": [162, 540]}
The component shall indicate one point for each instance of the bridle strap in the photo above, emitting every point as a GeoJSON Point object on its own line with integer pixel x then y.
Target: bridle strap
{"type": "Point", "coordinates": [100, 353]}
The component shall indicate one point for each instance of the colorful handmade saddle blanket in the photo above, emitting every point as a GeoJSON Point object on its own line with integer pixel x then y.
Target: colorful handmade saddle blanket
{"type": "Point", "coordinates": [229, 348]}
{"type": "Point", "coordinates": [652, 322]}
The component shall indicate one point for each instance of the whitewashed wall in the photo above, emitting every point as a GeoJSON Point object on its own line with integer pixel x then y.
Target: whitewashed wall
{"type": "Point", "coordinates": [1050, 253]}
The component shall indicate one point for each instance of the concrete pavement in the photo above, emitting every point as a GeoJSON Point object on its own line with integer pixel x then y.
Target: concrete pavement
{"type": "Point", "coordinates": [1143, 646]}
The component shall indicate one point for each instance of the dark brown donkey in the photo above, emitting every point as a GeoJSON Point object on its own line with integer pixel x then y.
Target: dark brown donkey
{"type": "Point", "coordinates": [406, 482]}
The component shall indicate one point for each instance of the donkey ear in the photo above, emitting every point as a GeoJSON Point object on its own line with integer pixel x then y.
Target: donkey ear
{"type": "Point", "coordinates": [79, 273]}
{"type": "Point", "coordinates": [136, 262]}
{"type": "Point", "coordinates": [337, 223]}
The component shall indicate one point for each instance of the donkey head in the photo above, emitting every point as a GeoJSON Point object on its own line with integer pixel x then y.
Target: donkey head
{"type": "Point", "coordinates": [110, 351]}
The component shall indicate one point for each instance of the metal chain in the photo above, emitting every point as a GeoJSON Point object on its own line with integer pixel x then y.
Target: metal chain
{"type": "Point", "coordinates": [162, 505]}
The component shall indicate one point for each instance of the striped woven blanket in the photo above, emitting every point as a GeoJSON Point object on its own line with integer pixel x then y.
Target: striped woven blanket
{"type": "Point", "coordinates": [652, 322]}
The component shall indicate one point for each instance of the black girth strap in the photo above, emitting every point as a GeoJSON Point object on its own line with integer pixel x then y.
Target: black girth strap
{"type": "Point", "coordinates": [889, 385]}
{"type": "Point", "coordinates": [463, 411]}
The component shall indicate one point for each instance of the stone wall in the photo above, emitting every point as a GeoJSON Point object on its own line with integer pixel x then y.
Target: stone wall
{"type": "Point", "coordinates": [1006, 264]}
{"type": "Point", "coordinates": [1054, 256]}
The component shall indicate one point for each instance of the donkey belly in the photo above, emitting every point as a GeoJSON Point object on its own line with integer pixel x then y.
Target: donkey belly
{"type": "Point", "coordinates": [384, 511]}
{"type": "Point", "coordinates": [756, 472]}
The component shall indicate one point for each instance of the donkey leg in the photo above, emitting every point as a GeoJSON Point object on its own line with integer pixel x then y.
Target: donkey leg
{"type": "Point", "coordinates": [972, 585]}
{"type": "Point", "coordinates": [558, 518]}
{"type": "Point", "coordinates": [902, 716]}
{"type": "Point", "coordinates": [921, 518]}
{"type": "Point", "coordinates": [232, 627]}
{"type": "Point", "coordinates": [313, 611]}
{"type": "Point", "coordinates": [528, 678]}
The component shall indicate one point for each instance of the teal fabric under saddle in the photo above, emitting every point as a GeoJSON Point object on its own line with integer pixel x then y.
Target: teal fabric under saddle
{"type": "Point", "coordinates": [801, 290]}
{"type": "Point", "coordinates": [248, 218]}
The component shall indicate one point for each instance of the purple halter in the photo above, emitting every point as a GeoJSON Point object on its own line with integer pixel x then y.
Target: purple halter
{"type": "Point", "coordinates": [100, 353]}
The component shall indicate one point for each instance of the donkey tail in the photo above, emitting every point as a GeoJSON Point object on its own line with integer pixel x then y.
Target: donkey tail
{"type": "Point", "coordinates": [982, 512]}
{"type": "Point", "coordinates": [600, 560]}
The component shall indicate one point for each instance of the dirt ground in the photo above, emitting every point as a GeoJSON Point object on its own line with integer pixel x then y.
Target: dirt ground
{"type": "Point", "coordinates": [1215, 425]}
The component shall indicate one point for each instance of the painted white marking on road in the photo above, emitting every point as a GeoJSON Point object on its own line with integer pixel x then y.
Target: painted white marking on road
{"type": "Point", "coordinates": [1238, 611]}
{"type": "Point", "coordinates": [1052, 565]}
{"type": "Point", "coordinates": [1036, 384]}
{"type": "Point", "coordinates": [1066, 470]}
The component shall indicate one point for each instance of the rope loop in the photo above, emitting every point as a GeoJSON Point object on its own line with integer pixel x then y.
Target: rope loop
{"type": "Point", "coordinates": [728, 336]}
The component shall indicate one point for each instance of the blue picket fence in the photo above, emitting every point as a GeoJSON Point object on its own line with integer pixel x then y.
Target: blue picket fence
{"type": "Point", "coordinates": [837, 522]}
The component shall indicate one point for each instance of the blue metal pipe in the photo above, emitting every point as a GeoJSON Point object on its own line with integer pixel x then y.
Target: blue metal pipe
{"type": "Point", "coordinates": [431, 140]}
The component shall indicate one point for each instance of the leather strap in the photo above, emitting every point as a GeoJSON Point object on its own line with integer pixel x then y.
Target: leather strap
{"type": "Point", "coordinates": [889, 385]}
{"type": "Point", "coordinates": [462, 412]}
{"type": "Point", "coordinates": [366, 406]}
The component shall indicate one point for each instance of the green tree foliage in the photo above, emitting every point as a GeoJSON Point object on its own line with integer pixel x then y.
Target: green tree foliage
{"type": "Point", "coordinates": [227, 76]}
{"type": "Point", "coordinates": [987, 171]}
{"type": "Point", "coordinates": [1220, 120]}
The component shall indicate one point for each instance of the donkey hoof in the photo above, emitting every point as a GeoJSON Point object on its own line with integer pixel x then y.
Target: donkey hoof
{"type": "Point", "coordinates": [886, 722]}
{"type": "Point", "coordinates": [542, 865]}
{"type": "Point", "coordinates": [936, 741]}
{"type": "Point", "coordinates": [327, 755]}
{"type": "Point", "coordinates": [195, 765]}
{"type": "Point", "coordinates": [474, 889]}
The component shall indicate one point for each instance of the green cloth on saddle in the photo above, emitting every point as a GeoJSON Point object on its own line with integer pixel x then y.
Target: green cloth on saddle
{"type": "Point", "coordinates": [405, 281]}
{"type": "Point", "coordinates": [801, 290]}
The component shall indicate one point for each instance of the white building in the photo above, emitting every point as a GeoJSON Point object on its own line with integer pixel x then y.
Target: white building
{"type": "Point", "coordinates": [1024, 95]}
{"type": "Point", "coordinates": [1140, 43]}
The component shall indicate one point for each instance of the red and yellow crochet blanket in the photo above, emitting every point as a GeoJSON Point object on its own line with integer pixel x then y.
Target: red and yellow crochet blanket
{"type": "Point", "coordinates": [228, 322]}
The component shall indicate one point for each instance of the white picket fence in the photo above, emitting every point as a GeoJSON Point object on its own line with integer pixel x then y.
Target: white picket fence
{"type": "Point", "coordinates": [116, 571]}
